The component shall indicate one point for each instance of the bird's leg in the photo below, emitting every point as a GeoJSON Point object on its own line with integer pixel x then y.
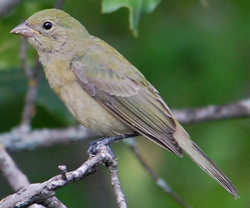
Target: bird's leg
{"type": "Point", "coordinates": [95, 145]}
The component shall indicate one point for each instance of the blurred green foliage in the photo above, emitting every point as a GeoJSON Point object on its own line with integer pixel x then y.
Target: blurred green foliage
{"type": "Point", "coordinates": [194, 56]}
{"type": "Point", "coordinates": [136, 9]}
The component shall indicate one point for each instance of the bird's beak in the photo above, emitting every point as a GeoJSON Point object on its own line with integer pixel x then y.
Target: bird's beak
{"type": "Point", "coordinates": [23, 30]}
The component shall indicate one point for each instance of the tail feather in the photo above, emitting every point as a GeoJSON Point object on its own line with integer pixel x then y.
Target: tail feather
{"type": "Point", "coordinates": [202, 160]}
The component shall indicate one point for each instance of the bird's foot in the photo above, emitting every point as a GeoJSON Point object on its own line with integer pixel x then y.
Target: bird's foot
{"type": "Point", "coordinates": [95, 145]}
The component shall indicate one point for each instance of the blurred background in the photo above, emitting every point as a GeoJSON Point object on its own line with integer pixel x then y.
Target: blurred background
{"type": "Point", "coordinates": [194, 56]}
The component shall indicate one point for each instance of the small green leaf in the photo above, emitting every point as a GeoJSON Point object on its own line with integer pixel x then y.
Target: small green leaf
{"type": "Point", "coordinates": [137, 8]}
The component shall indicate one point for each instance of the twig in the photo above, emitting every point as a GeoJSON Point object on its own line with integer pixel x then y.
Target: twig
{"type": "Point", "coordinates": [23, 58]}
{"type": "Point", "coordinates": [59, 4]}
{"type": "Point", "coordinates": [7, 5]}
{"type": "Point", "coordinates": [240, 109]}
{"type": "Point", "coordinates": [159, 181]}
{"type": "Point", "coordinates": [52, 202]}
{"type": "Point", "coordinates": [37, 193]}
{"type": "Point", "coordinates": [115, 182]}
{"type": "Point", "coordinates": [11, 172]}
{"type": "Point", "coordinates": [17, 140]}
{"type": "Point", "coordinates": [16, 179]}
{"type": "Point", "coordinates": [33, 76]}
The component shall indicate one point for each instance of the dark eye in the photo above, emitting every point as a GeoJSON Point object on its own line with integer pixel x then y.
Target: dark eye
{"type": "Point", "coordinates": [47, 25]}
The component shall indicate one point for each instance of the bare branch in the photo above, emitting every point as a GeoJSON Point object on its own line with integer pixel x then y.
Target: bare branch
{"type": "Point", "coordinates": [7, 5]}
{"type": "Point", "coordinates": [33, 76]}
{"type": "Point", "coordinates": [240, 109]}
{"type": "Point", "coordinates": [16, 179]}
{"type": "Point", "coordinates": [59, 4]}
{"type": "Point", "coordinates": [23, 58]}
{"type": "Point", "coordinates": [11, 172]}
{"type": "Point", "coordinates": [29, 104]}
{"type": "Point", "coordinates": [17, 140]}
{"type": "Point", "coordinates": [52, 202]}
{"type": "Point", "coordinates": [115, 182]}
{"type": "Point", "coordinates": [37, 193]}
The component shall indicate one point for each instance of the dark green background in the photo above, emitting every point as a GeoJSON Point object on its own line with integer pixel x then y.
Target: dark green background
{"type": "Point", "coordinates": [194, 56]}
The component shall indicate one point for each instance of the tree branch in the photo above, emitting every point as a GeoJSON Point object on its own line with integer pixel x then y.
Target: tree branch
{"type": "Point", "coordinates": [11, 172]}
{"type": "Point", "coordinates": [240, 109]}
{"type": "Point", "coordinates": [59, 4]}
{"type": "Point", "coordinates": [37, 193]}
{"type": "Point", "coordinates": [17, 140]}
{"type": "Point", "coordinates": [115, 182]}
{"type": "Point", "coordinates": [33, 76]}
{"type": "Point", "coordinates": [16, 179]}
{"type": "Point", "coordinates": [7, 5]}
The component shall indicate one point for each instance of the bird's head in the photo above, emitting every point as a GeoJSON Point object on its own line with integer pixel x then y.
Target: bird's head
{"type": "Point", "coordinates": [52, 30]}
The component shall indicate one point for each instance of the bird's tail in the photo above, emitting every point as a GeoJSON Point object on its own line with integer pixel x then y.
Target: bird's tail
{"type": "Point", "coordinates": [202, 160]}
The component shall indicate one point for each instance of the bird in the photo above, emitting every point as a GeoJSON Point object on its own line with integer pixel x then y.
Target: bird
{"type": "Point", "coordinates": [104, 91]}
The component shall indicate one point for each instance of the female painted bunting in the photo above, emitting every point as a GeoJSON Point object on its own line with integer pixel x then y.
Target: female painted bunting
{"type": "Point", "coordinates": [105, 92]}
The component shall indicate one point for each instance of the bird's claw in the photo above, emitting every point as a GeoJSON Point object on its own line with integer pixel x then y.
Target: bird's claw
{"type": "Point", "coordinates": [95, 146]}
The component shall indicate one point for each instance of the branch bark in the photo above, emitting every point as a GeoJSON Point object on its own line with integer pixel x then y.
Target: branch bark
{"type": "Point", "coordinates": [11, 172]}
{"type": "Point", "coordinates": [7, 5]}
{"type": "Point", "coordinates": [33, 77]}
{"type": "Point", "coordinates": [17, 139]}
{"type": "Point", "coordinates": [16, 178]}
{"type": "Point", "coordinates": [43, 193]}
{"type": "Point", "coordinates": [115, 182]}
{"type": "Point", "coordinates": [239, 109]}
{"type": "Point", "coordinates": [40, 192]}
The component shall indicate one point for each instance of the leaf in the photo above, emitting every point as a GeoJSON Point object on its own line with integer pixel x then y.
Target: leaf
{"type": "Point", "coordinates": [137, 8]}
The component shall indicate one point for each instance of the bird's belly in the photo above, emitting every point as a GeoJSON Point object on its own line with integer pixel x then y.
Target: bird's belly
{"type": "Point", "coordinates": [89, 112]}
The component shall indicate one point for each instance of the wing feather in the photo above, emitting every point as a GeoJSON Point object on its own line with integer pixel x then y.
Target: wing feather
{"type": "Point", "coordinates": [137, 105]}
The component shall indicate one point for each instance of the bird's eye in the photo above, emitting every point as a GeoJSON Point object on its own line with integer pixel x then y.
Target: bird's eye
{"type": "Point", "coordinates": [47, 25]}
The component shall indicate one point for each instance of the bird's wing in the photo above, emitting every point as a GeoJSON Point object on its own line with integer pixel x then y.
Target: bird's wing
{"type": "Point", "coordinates": [120, 88]}
{"type": "Point", "coordinates": [127, 95]}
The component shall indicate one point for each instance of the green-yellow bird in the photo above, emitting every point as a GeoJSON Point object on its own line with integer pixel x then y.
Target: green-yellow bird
{"type": "Point", "coordinates": [105, 92]}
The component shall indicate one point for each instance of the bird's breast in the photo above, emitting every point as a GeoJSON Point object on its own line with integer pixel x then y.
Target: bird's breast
{"type": "Point", "coordinates": [81, 105]}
